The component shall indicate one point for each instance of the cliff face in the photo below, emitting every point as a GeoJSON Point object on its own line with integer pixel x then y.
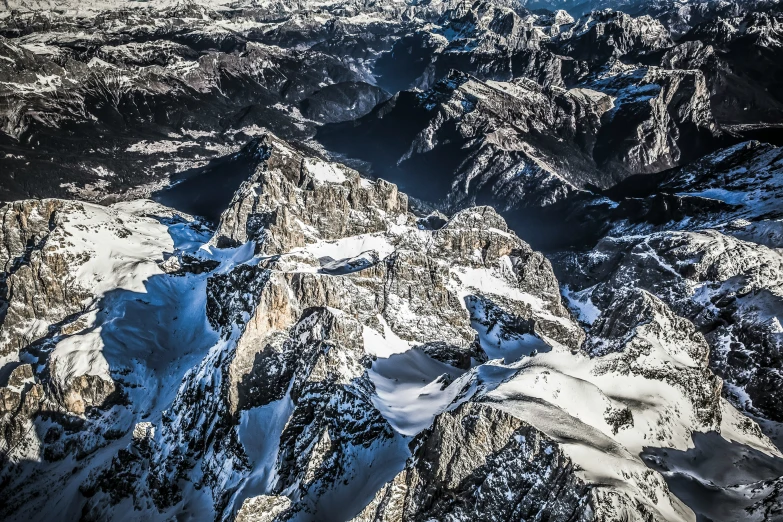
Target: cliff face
{"type": "Point", "coordinates": [480, 462]}
{"type": "Point", "coordinates": [728, 287]}
{"type": "Point", "coordinates": [326, 351]}
{"type": "Point", "coordinates": [36, 288]}
{"type": "Point", "coordinates": [353, 324]}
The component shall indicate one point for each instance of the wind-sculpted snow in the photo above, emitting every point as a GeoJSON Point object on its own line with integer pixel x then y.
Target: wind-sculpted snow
{"type": "Point", "coordinates": [326, 353]}
{"type": "Point", "coordinates": [728, 287]}
{"type": "Point", "coordinates": [280, 336]}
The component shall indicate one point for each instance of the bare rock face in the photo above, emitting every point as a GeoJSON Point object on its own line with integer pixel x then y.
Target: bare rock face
{"type": "Point", "coordinates": [688, 55]}
{"type": "Point", "coordinates": [348, 359]}
{"type": "Point", "coordinates": [333, 353]}
{"type": "Point", "coordinates": [481, 135]}
{"type": "Point", "coordinates": [22, 398]}
{"type": "Point", "coordinates": [60, 257]}
{"type": "Point", "coordinates": [306, 342]}
{"type": "Point", "coordinates": [297, 324]}
{"type": "Point", "coordinates": [495, 42]}
{"type": "Point", "coordinates": [39, 295]}
{"type": "Point", "coordinates": [84, 391]}
{"type": "Point", "coordinates": [263, 508]}
{"type": "Point", "coordinates": [343, 101]}
{"type": "Point", "coordinates": [283, 202]}
{"type": "Point", "coordinates": [479, 462]}
{"type": "Point", "coordinates": [739, 53]}
{"type": "Point", "coordinates": [667, 113]}
{"type": "Point", "coordinates": [167, 57]}
{"type": "Point", "coordinates": [524, 148]}
{"type": "Point", "coordinates": [601, 35]}
{"type": "Point", "coordinates": [22, 394]}
{"type": "Point", "coordinates": [735, 190]}
{"type": "Point", "coordinates": [36, 285]}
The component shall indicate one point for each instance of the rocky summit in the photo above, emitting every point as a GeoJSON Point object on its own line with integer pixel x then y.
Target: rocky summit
{"type": "Point", "coordinates": [500, 260]}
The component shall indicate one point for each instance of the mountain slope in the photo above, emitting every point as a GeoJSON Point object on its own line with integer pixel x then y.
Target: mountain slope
{"type": "Point", "coordinates": [330, 342]}
{"type": "Point", "coordinates": [285, 334]}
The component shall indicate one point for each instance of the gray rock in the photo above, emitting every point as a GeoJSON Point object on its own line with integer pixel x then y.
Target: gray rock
{"type": "Point", "coordinates": [482, 463]}
{"type": "Point", "coordinates": [263, 508]}
{"type": "Point", "coordinates": [35, 285]}
{"type": "Point", "coordinates": [730, 289]}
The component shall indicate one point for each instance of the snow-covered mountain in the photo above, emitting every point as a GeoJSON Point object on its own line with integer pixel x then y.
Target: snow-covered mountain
{"type": "Point", "coordinates": [391, 260]}
{"type": "Point", "coordinates": [324, 341]}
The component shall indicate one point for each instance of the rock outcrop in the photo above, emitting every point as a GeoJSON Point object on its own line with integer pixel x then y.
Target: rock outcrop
{"type": "Point", "coordinates": [482, 463]}
{"type": "Point", "coordinates": [728, 287]}
{"type": "Point", "coordinates": [37, 286]}
{"type": "Point", "coordinates": [377, 340]}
